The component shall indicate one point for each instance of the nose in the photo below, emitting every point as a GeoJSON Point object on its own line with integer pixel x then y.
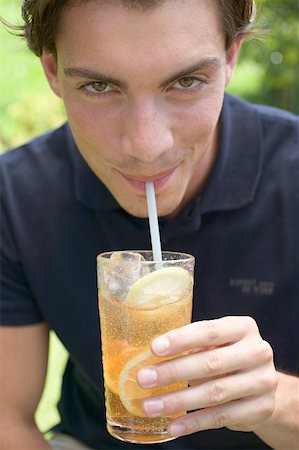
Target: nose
{"type": "Point", "coordinates": [147, 131]}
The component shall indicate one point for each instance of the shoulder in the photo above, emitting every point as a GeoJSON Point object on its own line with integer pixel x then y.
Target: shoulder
{"type": "Point", "coordinates": [41, 149]}
{"type": "Point", "coordinates": [242, 108]}
{"type": "Point", "coordinates": [275, 132]}
{"type": "Point", "coordinates": [280, 130]}
{"type": "Point", "coordinates": [274, 122]}
{"type": "Point", "coordinates": [271, 136]}
{"type": "Point", "coordinates": [38, 174]}
{"type": "Point", "coordinates": [36, 161]}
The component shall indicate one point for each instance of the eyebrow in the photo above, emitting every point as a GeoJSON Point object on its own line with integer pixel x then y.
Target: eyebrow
{"type": "Point", "coordinates": [204, 64]}
{"type": "Point", "coordinates": [211, 63]}
{"type": "Point", "coordinates": [81, 72]}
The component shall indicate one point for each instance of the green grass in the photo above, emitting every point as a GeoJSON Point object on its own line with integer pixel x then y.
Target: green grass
{"type": "Point", "coordinates": [47, 414]}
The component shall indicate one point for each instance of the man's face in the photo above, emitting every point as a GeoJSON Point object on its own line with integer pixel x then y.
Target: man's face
{"type": "Point", "coordinates": [143, 92]}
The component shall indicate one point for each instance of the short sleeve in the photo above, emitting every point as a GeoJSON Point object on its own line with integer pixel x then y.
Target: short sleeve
{"type": "Point", "coordinates": [17, 304]}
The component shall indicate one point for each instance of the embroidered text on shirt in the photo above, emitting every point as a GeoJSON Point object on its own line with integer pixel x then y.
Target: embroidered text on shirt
{"type": "Point", "coordinates": [251, 286]}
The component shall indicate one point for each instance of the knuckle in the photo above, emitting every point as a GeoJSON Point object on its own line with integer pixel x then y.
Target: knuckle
{"type": "Point", "coordinates": [220, 419]}
{"type": "Point", "coordinates": [266, 409]}
{"type": "Point", "coordinates": [274, 380]}
{"type": "Point", "coordinates": [270, 381]}
{"type": "Point", "coordinates": [260, 352]}
{"type": "Point", "coordinates": [216, 393]}
{"type": "Point", "coordinates": [212, 330]}
{"type": "Point", "coordinates": [268, 351]}
{"type": "Point", "coordinates": [250, 323]}
{"type": "Point", "coordinates": [265, 352]}
{"type": "Point", "coordinates": [212, 362]}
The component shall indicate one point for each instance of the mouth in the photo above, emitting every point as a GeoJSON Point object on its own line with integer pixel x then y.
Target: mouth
{"type": "Point", "coordinates": [137, 182]}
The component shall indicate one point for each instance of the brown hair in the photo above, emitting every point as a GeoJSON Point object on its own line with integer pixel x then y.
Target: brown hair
{"type": "Point", "coordinates": [41, 18]}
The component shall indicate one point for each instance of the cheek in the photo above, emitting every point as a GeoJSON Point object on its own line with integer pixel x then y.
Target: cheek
{"type": "Point", "coordinates": [84, 119]}
{"type": "Point", "coordinates": [93, 132]}
{"type": "Point", "coordinates": [88, 121]}
{"type": "Point", "coordinates": [198, 123]}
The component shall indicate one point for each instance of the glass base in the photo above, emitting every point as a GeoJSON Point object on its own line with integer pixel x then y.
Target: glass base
{"type": "Point", "coordinates": [138, 436]}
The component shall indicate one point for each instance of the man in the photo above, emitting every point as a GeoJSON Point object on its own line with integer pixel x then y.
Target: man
{"type": "Point", "coordinates": [143, 87]}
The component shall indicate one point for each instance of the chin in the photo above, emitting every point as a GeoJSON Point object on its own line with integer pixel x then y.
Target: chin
{"type": "Point", "coordinates": [137, 208]}
{"type": "Point", "coordinates": [142, 212]}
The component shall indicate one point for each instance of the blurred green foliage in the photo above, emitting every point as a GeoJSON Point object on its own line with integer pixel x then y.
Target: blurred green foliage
{"type": "Point", "coordinates": [267, 72]}
{"type": "Point", "coordinates": [27, 105]}
{"type": "Point", "coordinates": [268, 69]}
{"type": "Point", "coordinates": [47, 415]}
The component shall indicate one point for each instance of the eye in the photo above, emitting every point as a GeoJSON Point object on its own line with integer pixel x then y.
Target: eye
{"type": "Point", "coordinates": [97, 87]}
{"type": "Point", "coordinates": [188, 83]}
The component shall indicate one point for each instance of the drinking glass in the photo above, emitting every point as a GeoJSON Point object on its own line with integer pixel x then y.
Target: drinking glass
{"type": "Point", "coordinates": [139, 299]}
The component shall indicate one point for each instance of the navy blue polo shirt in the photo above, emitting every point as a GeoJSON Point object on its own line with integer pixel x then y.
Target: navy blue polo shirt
{"type": "Point", "coordinates": [243, 230]}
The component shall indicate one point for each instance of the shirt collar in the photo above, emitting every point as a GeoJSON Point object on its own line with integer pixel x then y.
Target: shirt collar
{"type": "Point", "coordinates": [231, 185]}
{"type": "Point", "coordinates": [235, 177]}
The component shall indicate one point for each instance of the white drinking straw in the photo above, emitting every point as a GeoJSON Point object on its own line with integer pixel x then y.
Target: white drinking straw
{"type": "Point", "coordinates": [153, 221]}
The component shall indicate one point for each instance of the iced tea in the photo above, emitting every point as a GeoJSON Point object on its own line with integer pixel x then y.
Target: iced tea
{"type": "Point", "coordinates": [135, 306]}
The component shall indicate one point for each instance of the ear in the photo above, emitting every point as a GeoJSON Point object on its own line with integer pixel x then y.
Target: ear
{"type": "Point", "coordinates": [231, 59]}
{"type": "Point", "coordinates": [49, 63]}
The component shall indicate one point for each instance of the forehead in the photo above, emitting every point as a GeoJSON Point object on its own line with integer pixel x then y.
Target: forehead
{"type": "Point", "coordinates": [109, 32]}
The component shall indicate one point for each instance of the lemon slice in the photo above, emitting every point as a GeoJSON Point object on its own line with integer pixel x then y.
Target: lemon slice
{"type": "Point", "coordinates": [163, 286]}
{"type": "Point", "coordinates": [130, 393]}
{"type": "Point", "coordinates": [113, 364]}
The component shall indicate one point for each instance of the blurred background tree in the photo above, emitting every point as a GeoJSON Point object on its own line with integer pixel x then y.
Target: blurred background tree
{"type": "Point", "coordinates": [267, 72]}
{"type": "Point", "coordinates": [268, 69]}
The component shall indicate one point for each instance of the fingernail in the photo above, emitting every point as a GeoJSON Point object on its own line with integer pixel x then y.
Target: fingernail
{"type": "Point", "coordinates": [161, 345]}
{"type": "Point", "coordinates": [177, 429]}
{"type": "Point", "coordinates": [147, 377]}
{"type": "Point", "coordinates": [153, 407]}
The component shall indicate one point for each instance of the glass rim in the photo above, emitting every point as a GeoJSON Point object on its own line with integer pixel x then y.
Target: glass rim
{"type": "Point", "coordinates": [182, 256]}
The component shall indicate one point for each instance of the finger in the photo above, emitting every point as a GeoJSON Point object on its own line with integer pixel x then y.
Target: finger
{"type": "Point", "coordinates": [241, 414]}
{"type": "Point", "coordinates": [245, 354]}
{"type": "Point", "coordinates": [203, 334]}
{"type": "Point", "coordinates": [213, 393]}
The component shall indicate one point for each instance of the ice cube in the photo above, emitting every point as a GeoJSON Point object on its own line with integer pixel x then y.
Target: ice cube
{"type": "Point", "coordinates": [119, 277]}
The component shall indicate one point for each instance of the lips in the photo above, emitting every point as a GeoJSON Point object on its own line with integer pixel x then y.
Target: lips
{"type": "Point", "coordinates": [159, 180]}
